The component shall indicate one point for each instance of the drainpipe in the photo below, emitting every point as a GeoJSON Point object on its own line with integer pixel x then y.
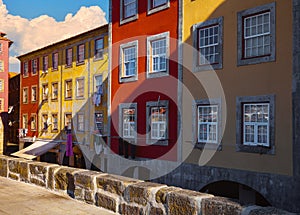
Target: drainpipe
{"type": "Point", "coordinates": [88, 102]}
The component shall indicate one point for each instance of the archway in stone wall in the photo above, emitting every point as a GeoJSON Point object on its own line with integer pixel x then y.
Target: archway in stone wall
{"type": "Point", "coordinates": [242, 193]}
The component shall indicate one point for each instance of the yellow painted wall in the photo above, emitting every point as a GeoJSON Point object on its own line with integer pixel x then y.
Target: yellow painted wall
{"type": "Point", "coordinates": [252, 80]}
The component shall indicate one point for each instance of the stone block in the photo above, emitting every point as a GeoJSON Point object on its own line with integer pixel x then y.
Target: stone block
{"type": "Point", "coordinates": [156, 211]}
{"type": "Point", "coordinates": [3, 166]}
{"type": "Point", "coordinates": [51, 176]}
{"type": "Point", "coordinates": [18, 169]}
{"type": "Point", "coordinates": [180, 201]}
{"type": "Point", "coordinates": [161, 195]}
{"type": "Point", "coordinates": [64, 179]}
{"type": "Point", "coordinates": [140, 193]}
{"type": "Point", "coordinates": [86, 179]}
{"type": "Point", "coordinates": [39, 173]}
{"type": "Point", "coordinates": [126, 209]}
{"type": "Point", "coordinates": [220, 205]}
{"type": "Point", "coordinates": [113, 183]}
{"type": "Point", "coordinates": [107, 201]}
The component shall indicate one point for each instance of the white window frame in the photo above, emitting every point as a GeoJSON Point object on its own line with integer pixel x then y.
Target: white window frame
{"type": "Point", "coordinates": [67, 88]}
{"type": "Point", "coordinates": [45, 92]}
{"type": "Point", "coordinates": [151, 73]}
{"type": "Point", "coordinates": [55, 61]}
{"type": "Point", "coordinates": [132, 125]}
{"type": "Point", "coordinates": [80, 122]}
{"type": "Point", "coordinates": [25, 95]}
{"type": "Point", "coordinates": [1, 47]}
{"type": "Point", "coordinates": [124, 19]}
{"type": "Point", "coordinates": [34, 64]}
{"type": "Point", "coordinates": [45, 64]}
{"type": "Point", "coordinates": [33, 116]}
{"type": "Point", "coordinates": [1, 104]}
{"type": "Point", "coordinates": [256, 125]}
{"type": "Point", "coordinates": [2, 85]}
{"type": "Point", "coordinates": [99, 51]}
{"type": "Point", "coordinates": [153, 9]}
{"type": "Point", "coordinates": [68, 121]}
{"type": "Point", "coordinates": [54, 92]}
{"type": "Point", "coordinates": [54, 123]}
{"type": "Point", "coordinates": [245, 15]}
{"type": "Point", "coordinates": [34, 96]}
{"type": "Point", "coordinates": [157, 139]}
{"type": "Point", "coordinates": [80, 54]}
{"type": "Point", "coordinates": [1, 66]}
{"type": "Point", "coordinates": [25, 121]}
{"type": "Point", "coordinates": [69, 57]}
{"type": "Point", "coordinates": [25, 70]}
{"type": "Point", "coordinates": [208, 124]}
{"type": "Point", "coordinates": [122, 71]}
{"type": "Point", "coordinates": [98, 82]}
{"type": "Point", "coordinates": [78, 80]}
{"type": "Point", "coordinates": [44, 123]}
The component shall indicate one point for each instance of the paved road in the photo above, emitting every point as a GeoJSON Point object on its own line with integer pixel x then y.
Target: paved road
{"type": "Point", "coordinates": [22, 198]}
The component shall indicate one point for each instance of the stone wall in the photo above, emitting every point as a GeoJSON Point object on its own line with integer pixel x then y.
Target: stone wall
{"type": "Point", "coordinates": [122, 195]}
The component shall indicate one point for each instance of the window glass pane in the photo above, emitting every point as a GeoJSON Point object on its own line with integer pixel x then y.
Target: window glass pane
{"type": "Point", "coordinates": [129, 8]}
{"type": "Point", "coordinates": [129, 61]}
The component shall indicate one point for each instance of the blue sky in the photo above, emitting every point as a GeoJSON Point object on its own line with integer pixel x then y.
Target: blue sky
{"type": "Point", "coordinates": [33, 24]}
{"type": "Point", "coordinates": [57, 9]}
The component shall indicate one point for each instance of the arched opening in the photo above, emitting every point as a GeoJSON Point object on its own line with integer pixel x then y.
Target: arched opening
{"type": "Point", "coordinates": [244, 194]}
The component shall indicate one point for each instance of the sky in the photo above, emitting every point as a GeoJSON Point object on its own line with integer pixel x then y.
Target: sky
{"type": "Point", "coordinates": [33, 24]}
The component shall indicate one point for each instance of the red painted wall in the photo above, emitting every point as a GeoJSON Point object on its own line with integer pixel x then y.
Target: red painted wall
{"type": "Point", "coordinates": [4, 56]}
{"type": "Point", "coordinates": [30, 107]}
{"type": "Point", "coordinates": [145, 90]}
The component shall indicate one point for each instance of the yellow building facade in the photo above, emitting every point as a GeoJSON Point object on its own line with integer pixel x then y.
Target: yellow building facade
{"type": "Point", "coordinates": [73, 90]}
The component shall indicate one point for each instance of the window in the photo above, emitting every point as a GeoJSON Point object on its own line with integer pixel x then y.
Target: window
{"type": "Point", "coordinates": [157, 122]}
{"type": "Point", "coordinates": [97, 82]}
{"type": "Point", "coordinates": [45, 122]}
{"type": "Point", "coordinates": [207, 124]}
{"type": "Point", "coordinates": [26, 72]}
{"type": "Point", "coordinates": [1, 104]}
{"type": "Point", "coordinates": [80, 54]}
{"type": "Point", "coordinates": [68, 90]}
{"type": "Point", "coordinates": [99, 122]}
{"type": "Point", "coordinates": [69, 57]}
{"type": "Point", "coordinates": [45, 91]}
{"type": "Point", "coordinates": [25, 121]}
{"type": "Point", "coordinates": [68, 121]}
{"type": "Point", "coordinates": [80, 87]}
{"type": "Point", "coordinates": [128, 11]}
{"type": "Point", "coordinates": [34, 66]}
{"type": "Point", "coordinates": [54, 91]}
{"type": "Point", "coordinates": [33, 122]}
{"type": "Point", "coordinates": [157, 5]}
{"type": "Point", "coordinates": [99, 48]}
{"type": "Point", "coordinates": [1, 47]}
{"type": "Point", "coordinates": [25, 95]}
{"type": "Point", "coordinates": [255, 125]}
{"type": "Point", "coordinates": [45, 64]}
{"type": "Point", "coordinates": [1, 85]}
{"type": "Point", "coordinates": [208, 43]}
{"type": "Point", "coordinates": [33, 93]}
{"type": "Point", "coordinates": [80, 122]}
{"type": "Point", "coordinates": [157, 55]}
{"type": "Point", "coordinates": [54, 122]}
{"type": "Point", "coordinates": [55, 61]}
{"type": "Point", "coordinates": [1, 66]}
{"type": "Point", "coordinates": [256, 35]}
{"type": "Point", "coordinates": [128, 120]}
{"type": "Point", "coordinates": [128, 62]}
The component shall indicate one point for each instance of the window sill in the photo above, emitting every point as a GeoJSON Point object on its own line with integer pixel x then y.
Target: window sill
{"type": "Point", "coordinates": [161, 142]}
{"type": "Point", "coordinates": [54, 131]}
{"type": "Point", "coordinates": [80, 98]}
{"type": "Point", "coordinates": [68, 99]}
{"type": "Point", "coordinates": [129, 19]}
{"type": "Point", "coordinates": [68, 66]}
{"type": "Point", "coordinates": [80, 63]}
{"type": "Point", "coordinates": [98, 59]}
{"type": "Point", "coordinates": [157, 74]}
{"type": "Point", "coordinates": [54, 100]}
{"type": "Point", "coordinates": [128, 79]}
{"type": "Point", "coordinates": [159, 8]}
{"type": "Point", "coordinates": [255, 149]}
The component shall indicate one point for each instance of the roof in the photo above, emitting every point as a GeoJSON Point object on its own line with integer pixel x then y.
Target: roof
{"type": "Point", "coordinates": [62, 41]}
{"type": "Point", "coordinates": [2, 37]}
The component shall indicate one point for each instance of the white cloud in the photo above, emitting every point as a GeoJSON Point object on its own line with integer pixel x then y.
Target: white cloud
{"type": "Point", "coordinates": [29, 35]}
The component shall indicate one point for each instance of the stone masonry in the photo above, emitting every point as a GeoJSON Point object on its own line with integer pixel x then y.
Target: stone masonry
{"type": "Point", "coordinates": [120, 194]}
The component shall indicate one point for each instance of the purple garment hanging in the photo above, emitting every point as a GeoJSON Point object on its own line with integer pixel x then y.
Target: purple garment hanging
{"type": "Point", "coordinates": [69, 150]}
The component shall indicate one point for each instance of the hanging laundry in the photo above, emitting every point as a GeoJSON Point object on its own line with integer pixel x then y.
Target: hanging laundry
{"type": "Point", "coordinates": [97, 95]}
{"type": "Point", "coordinates": [69, 149]}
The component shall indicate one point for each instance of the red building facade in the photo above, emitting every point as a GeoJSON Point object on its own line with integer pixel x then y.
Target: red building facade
{"type": "Point", "coordinates": [29, 94]}
{"type": "Point", "coordinates": [144, 78]}
{"type": "Point", "coordinates": [5, 43]}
